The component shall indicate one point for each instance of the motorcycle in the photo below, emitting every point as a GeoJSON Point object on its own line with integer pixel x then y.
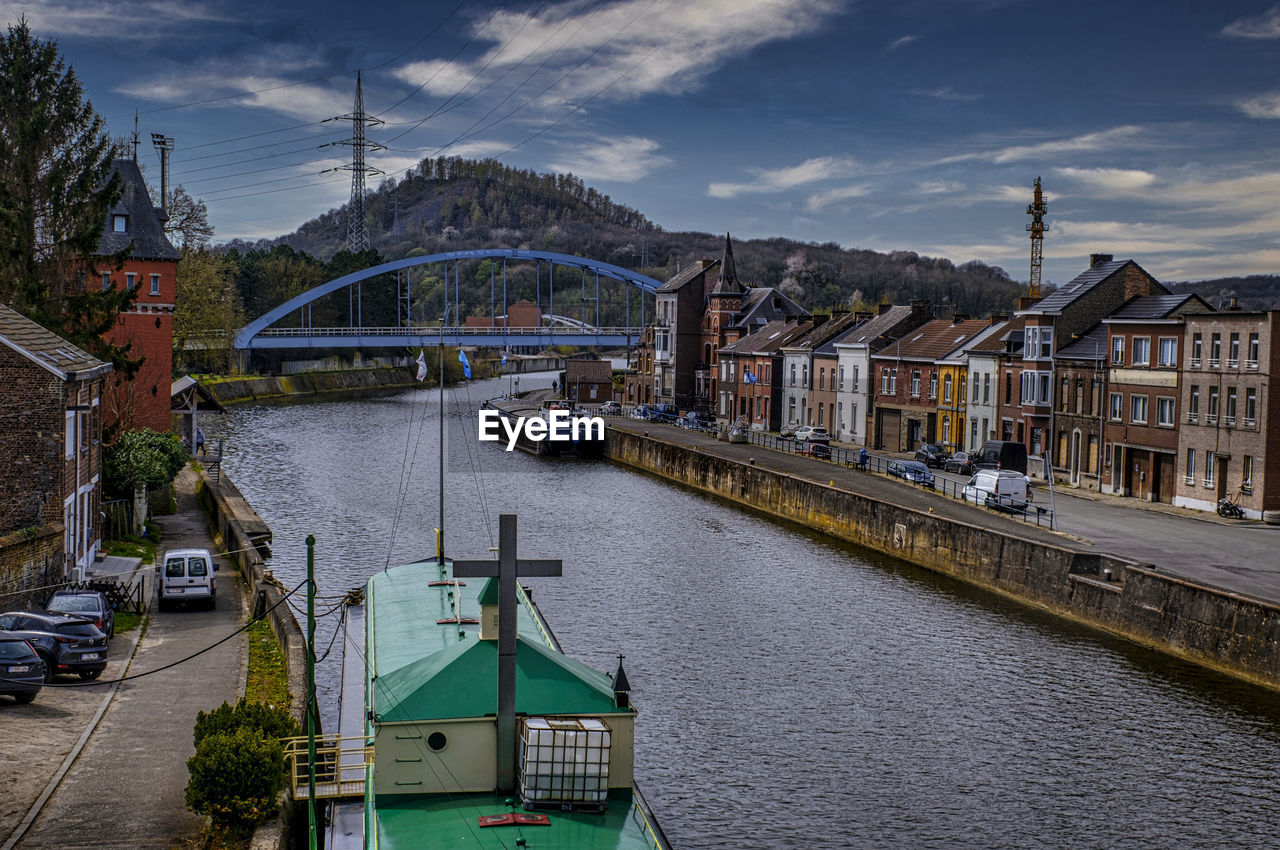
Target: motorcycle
{"type": "Point", "coordinates": [1229, 509]}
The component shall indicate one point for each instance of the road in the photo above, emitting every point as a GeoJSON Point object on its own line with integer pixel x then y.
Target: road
{"type": "Point", "coordinates": [126, 789]}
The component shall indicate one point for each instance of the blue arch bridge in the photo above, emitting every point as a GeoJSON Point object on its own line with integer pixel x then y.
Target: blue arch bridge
{"type": "Point", "coordinates": [584, 330]}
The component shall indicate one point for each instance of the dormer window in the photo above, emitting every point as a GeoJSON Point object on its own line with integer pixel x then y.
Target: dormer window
{"type": "Point", "coordinates": [120, 223]}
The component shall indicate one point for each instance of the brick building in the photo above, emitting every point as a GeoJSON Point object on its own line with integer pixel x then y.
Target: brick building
{"type": "Point", "coordinates": [1080, 408]}
{"type": "Point", "coordinates": [853, 359]}
{"type": "Point", "coordinates": [151, 267]}
{"type": "Point", "coordinates": [1229, 440]}
{"type": "Point", "coordinates": [750, 375]}
{"type": "Point", "coordinates": [50, 445]}
{"type": "Point", "coordinates": [588, 381]}
{"type": "Point", "coordinates": [1141, 436]}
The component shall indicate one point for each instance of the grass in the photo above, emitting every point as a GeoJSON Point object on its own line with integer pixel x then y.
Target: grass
{"type": "Point", "coordinates": [267, 680]}
{"type": "Point", "coordinates": [127, 621]}
{"type": "Point", "coordinates": [133, 547]}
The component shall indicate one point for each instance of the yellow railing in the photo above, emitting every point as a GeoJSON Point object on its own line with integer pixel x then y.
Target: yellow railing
{"type": "Point", "coordinates": [341, 766]}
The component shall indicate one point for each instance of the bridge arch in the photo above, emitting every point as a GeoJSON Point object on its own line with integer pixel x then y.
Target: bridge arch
{"type": "Point", "coordinates": [246, 336]}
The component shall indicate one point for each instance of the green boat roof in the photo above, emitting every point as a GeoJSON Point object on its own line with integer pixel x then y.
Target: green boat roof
{"type": "Point", "coordinates": [424, 670]}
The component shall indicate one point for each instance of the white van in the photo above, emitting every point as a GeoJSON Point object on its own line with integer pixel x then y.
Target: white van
{"type": "Point", "coordinates": [999, 488]}
{"type": "Point", "coordinates": [186, 575]}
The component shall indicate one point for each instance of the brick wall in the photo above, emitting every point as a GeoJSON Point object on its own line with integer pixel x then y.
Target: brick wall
{"type": "Point", "coordinates": [144, 402]}
{"type": "Point", "coordinates": [32, 443]}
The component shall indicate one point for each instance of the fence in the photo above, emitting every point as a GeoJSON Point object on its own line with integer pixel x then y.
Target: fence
{"type": "Point", "coordinates": [117, 519]}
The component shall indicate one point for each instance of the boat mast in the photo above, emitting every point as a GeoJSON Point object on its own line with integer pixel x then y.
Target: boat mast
{"type": "Point", "coordinates": [440, 530]}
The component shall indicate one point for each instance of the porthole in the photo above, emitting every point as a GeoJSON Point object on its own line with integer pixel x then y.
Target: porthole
{"type": "Point", "coordinates": [436, 741]}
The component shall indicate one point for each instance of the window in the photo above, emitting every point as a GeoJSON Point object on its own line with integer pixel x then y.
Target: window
{"type": "Point", "coordinates": [1212, 412]}
{"type": "Point", "coordinates": [1197, 349]}
{"type": "Point", "coordinates": [884, 381]}
{"type": "Point", "coordinates": [1044, 388]}
{"type": "Point", "coordinates": [986, 388]}
{"type": "Point", "coordinates": [1246, 473]}
{"type": "Point", "coordinates": [791, 410]}
{"type": "Point", "coordinates": [804, 374]}
{"type": "Point", "coordinates": [1008, 388]}
{"type": "Point", "coordinates": [1210, 461]}
{"type": "Point", "coordinates": [915, 383]}
{"type": "Point", "coordinates": [1079, 396]}
{"type": "Point", "coordinates": [793, 374]}
{"type": "Point", "coordinates": [1189, 474]}
{"type": "Point", "coordinates": [855, 379]}
{"type": "Point", "coordinates": [120, 223]}
{"type": "Point", "coordinates": [1230, 419]}
{"type": "Point", "coordinates": [1193, 405]}
{"type": "Point", "coordinates": [1142, 351]}
{"type": "Point", "coordinates": [71, 434]}
{"type": "Point", "coordinates": [1215, 349]}
{"type": "Point", "coordinates": [1046, 343]}
{"type": "Point", "coordinates": [933, 385]}
{"type": "Point", "coordinates": [1095, 397]}
{"type": "Point", "coordinates": [1168, 351]}
{"type": "Point", "coordinates": [1092, 460]}
{"type": "Point", "coordinates": [106, 281]}
{"type": "Point", "coordinates": [946, 390]}
{"type": "Point", "coordinates": [131, 280]}
{"type": "Point", "coordinates": [1164, 412]}
{"type": "Point", "coordinates": [1250, 407]}
{"type": "Point", "coordinates": [1138, 409]}
{"type": "Point", "coordinates": [841, 379]}
{"type": "Point", "coordinates": [155, 284]}
{"type": "Point", "coordinates": [1233, 351]}
{"type": "Point", "coordinates": [1064, 395]}
{"type": "Point", "coordinates": [960, 395]}
{"type": "Point", "coordinates": [822, 379]}
{"type": "Point", "coordinates": [820, 407]}
{"type": "Point", "coordinates": [893, 381]}
{"type": "Point", "coordinates": [1251, 358]}
{"type": "Point", "coordinates": [1117, 401]}
{"type": "Point", "coordinates": [1117, 350]}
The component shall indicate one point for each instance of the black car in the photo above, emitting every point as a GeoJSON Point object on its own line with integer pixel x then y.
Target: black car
{"type": "Point", "coordinates": [932, 454]}
{"type": "Point", "coordinates": [89, 604]}
{"type": "Point", "coordinates": [65, 644]}
{"type": "Point", "coordinates": [21, 670]}
{"type": "Point", "coordinates": [960, 462]}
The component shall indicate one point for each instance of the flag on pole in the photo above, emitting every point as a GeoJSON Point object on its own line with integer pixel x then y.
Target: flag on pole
{"type": "Point", "coordinates": [749, 376]}
{"type": "Point", "coordinates": [422, 365]}
{"type": "Point", "coordinates": [504, 358]}
{"type": "Point", "coordinates": [466, 365]}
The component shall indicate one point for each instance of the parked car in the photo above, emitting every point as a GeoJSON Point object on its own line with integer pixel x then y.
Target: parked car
{"type": "Point", "coordinates": [664, 413]}
{"type": "Point", "coordinates": [64, 643]}
{"type": "Point", "coordinates": [812, 432]}
{"type": "Point", "coordinates": [696, 421]}
{"type": "Point", "coordinates": [187, 575]}
{"type": "Point", "coordinates": [611, 408]}
{"type": "Point", "coordinates": [789, 430]}
{"type": "Point", "coordinates": [932, 454]}
{"type": "Point", "coordinates": [640, 411]}
{"type": "Point", "coordinates": [959, 462]}
{"type": "Point", "coordinates": [1008, 455]}
{"type": "Point", "coordinates": [1002, 489]}
{"type": "Point", "coordinates": [92, 605]}
{"type": "Point", "coordinates": [911, 470]}
{"type": "Point", "coordinates": [21, 669]}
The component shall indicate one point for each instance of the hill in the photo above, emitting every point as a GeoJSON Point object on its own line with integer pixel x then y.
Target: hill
{"type": "Point", "coordinates": [1254, 292]}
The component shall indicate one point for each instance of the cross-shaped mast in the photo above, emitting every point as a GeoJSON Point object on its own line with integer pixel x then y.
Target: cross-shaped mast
{"type": "Point", "coordinates": [507, 568]}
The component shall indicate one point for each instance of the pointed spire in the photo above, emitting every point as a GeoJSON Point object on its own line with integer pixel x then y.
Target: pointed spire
{"type": "Point", "coordinates": [727, 283]}
{"type": "Point", "coordinates": [621, 687]}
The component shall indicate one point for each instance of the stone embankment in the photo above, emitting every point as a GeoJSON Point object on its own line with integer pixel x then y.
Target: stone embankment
{"type": "Point", "coordinates": [1226, 631]}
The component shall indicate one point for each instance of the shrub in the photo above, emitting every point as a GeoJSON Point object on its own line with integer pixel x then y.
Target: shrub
{"type": "Point", "coordinates": [143, 457]}
{"type": "Point", "coordinates": [235, 778]}
{"type": "Point", "coordinates": [266, 720]}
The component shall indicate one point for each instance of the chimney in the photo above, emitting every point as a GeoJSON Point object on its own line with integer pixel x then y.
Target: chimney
{"type": "Point", "coordinates": [997, 318]}
{"type": "Point", "coordinates": [1233, 304]}
{"type": "Point", "coordinates": [883, 308]}
{"type": "Point", "coordinates": [920, 307]}
{"type": "Point", "coordinates": [862, 316]}
{"type": "Point", "coordinates": [956, 318]}
{"type": "Point", "coordinates": [1026, 302]}
{"type": "Point", "coordinates": [1096, 260]}
{"type": "Point", "coordinates": [489, 610]}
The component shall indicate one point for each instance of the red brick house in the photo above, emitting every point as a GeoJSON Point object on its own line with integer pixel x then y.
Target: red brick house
{"type": "Point", "coordinates": [51, 402]}
{"type": "Point", "coordinates": [1144, 338]}
{"type": "Point", "coordinates": [151, 267]}
{"type": "Point", "coordinates": [588, 381]}
{"type": "Point", "coordinates": [750, 375]}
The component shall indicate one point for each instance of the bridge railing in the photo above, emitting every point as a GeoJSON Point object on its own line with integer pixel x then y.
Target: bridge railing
{"type": "Point", "coordinates": [436, 330]}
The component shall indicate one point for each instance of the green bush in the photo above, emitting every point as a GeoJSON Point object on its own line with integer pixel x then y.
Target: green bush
{"type": "Point", "coordinates": [235, 778]}
{"type": "Point", "coordinates": [267, 721]}
{"type": "Point", "coordinates": [143, 457]}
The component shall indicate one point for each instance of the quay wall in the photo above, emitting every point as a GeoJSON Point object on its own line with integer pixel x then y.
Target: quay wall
{"type": "Point", "coordinates": [1211, 627]}
{"type": "Point", "coordinates": [241, 390]}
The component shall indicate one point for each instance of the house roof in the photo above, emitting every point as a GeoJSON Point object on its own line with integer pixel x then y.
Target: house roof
{"type": "Point", "coordinates": [764, 304]}
{"type": "Point", "coordinates": [992, 331]}
{"type": "Point", "coordinates": [45, 348]}
{"type": "Point", "coordinates": [1090, 345]}
{"type": "Point", "coordinates": [145, 231]}
{"type": "Point", "coordinates": [588, 371]}
{"type": "Point", "coordinates": [727, 282]}
{"type": "Point", "coordinates": [187, 389]}
{"type": "Point", "coordinates": [825, 334]}
{"type": "Point", "coordinates": [1064, 296]}
{"type": "Point", "coordinates": [934, 339]}
{"type": "Point", "coordinates": [1148, 307]}
{"type": "Point", "coordinates": [870, 332]}
{"type": "Point", "coordinates": [686, 274]}
{"type": "Point", "coordinates": [769, 338]}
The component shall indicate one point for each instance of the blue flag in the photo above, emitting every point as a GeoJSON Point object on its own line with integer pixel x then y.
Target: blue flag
{"type": "Point", "coordinates": [466, 365]}
{"type": "Point", "coordinates": [504, 358]}
{"type": "Point", "coordinates": [422, 365]}
{"type": "Point", "coordinates": [749, 376]}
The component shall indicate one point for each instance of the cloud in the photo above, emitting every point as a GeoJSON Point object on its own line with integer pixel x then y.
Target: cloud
{"type": "Point", "coordinates": [1102, 140]}
{"type": "Point", "coordinates": [622, 49]}
{"type": "Point", "coordinates": [1262, 106]}
{"type": "Point", "coordinates": [1266, 25]}
{"type": "Point", "coordinates": [946, 93]}
{"type": "Point", "coordinates": [901, 42]}
{"type": "Point", "coordinates": [833, 196]}
{"type": "Point", "coordinates": [115, 20]}
{"type": "Point", "coordinates": [782, 179]}
{"type": "Point", "coordinates": [1109, 181]}
{"type": "Point", "coordinates": [938, 187]}
{"type": "Point", "coordinates": [626, 159]}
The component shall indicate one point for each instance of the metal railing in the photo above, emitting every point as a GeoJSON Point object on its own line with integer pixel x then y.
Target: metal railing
{"type": "Point", "coordinates": [436, 330]}
{"type": "Point", "coordinates": [341, 766]}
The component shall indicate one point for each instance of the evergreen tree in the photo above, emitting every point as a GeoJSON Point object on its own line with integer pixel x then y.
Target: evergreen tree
{"type": "Point", "coordinates": [56, 186]}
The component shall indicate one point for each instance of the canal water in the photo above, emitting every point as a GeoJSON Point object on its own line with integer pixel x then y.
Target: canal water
{"type": "Point", "coordinates": [794, 692]}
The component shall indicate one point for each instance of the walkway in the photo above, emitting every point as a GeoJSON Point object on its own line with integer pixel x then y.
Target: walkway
{"type": "Point", "coordinates": [126, 788]}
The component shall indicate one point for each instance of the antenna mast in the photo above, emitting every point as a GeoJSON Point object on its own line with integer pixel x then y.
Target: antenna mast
{"type": "Point", "coordinates": [1037, 227]}
{"type": "Point", "coordinates": [357, 230]}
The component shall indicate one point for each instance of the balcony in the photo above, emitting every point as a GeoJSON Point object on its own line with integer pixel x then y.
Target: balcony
{"type": "Point", "coordinates": [1193, 418]}
{"type": "Point", "coordinates": [1251, 365]}
{"type": "Point", "coordinates": [1233, 364]}
{"type": "Point", "coordinates": [1211, 419]}
{"type": "Point", "coordinates": [1249, 422]}
{"type": "Point", "coordinates": [1229, 421]}
{"type": "Point", "coordinates": [1214, 362]}
{"type": "Point", "coordinates": [1195, 362]}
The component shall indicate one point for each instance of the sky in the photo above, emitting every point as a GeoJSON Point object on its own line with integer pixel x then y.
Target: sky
{"type": "Point", "coordinates": [915, 125]}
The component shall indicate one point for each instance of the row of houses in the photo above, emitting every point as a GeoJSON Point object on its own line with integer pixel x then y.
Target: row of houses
{"type": "Point", "coordinates": [1112, 382]}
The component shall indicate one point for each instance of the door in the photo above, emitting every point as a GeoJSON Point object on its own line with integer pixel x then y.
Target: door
{"type": "Point", "coordinates": [1073, 459]}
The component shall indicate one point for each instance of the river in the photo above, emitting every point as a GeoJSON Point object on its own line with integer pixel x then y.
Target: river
{"type": "Point", "coordinates": [793, 691]}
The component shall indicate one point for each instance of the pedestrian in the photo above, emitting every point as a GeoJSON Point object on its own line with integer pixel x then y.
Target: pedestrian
{"type": "Point", "coordinates": [199, 440]}
{"type": "Point", "coordinates": [862, 459]}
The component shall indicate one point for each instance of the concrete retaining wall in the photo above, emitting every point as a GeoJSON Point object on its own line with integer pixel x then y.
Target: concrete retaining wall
{"type": "Point", "coordinates": [1217, 629]}
{"type": "Point", "coordinates": [240, 390]}
{"type": "Point", "coordinates": [30, 564]}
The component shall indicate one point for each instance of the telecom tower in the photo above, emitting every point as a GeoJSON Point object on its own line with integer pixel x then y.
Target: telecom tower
{"type": "Point", "coordinates": [1037, 227]}
{"type": "Point", "coordinates": [357, 230]}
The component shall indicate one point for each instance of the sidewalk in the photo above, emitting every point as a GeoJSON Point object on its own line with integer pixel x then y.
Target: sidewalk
{"type": "Point", "coordinates": [126, 787]}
